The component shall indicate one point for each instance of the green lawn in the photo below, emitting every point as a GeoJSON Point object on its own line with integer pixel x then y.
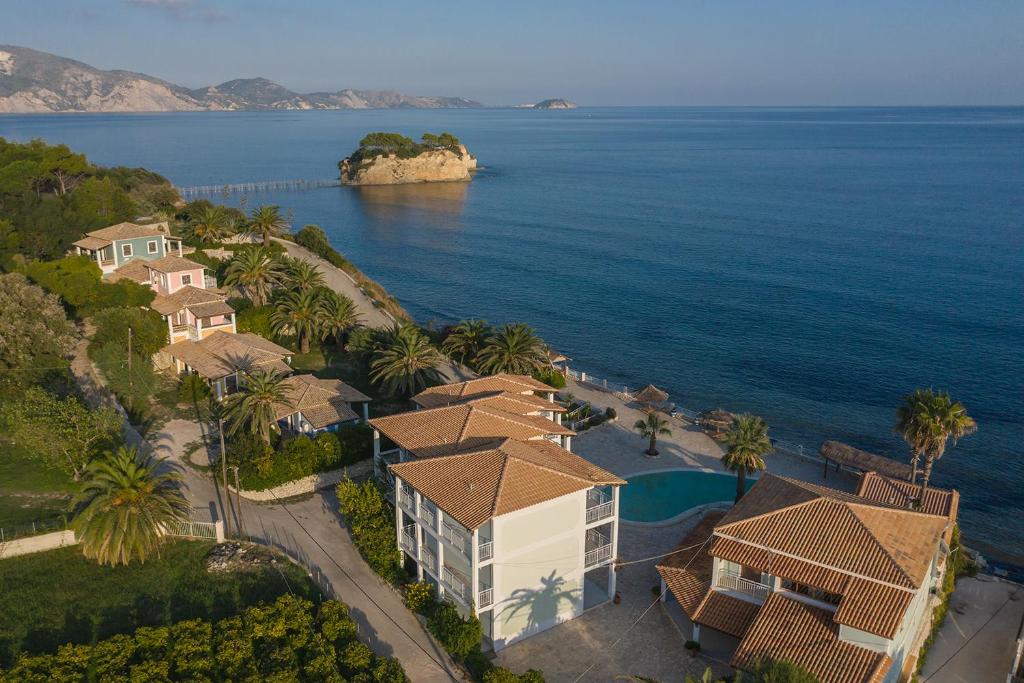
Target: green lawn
{"type": "Point", "coordinates": [30, 492]}
{"type": "Point", "coordinates": [59, 596]}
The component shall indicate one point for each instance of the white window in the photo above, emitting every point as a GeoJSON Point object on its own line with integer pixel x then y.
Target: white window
{"type": "Point", "coordinates": [151, 246]}
{"type": "Point", "coordinates": [186, 279]}
{"type": "Point", "coordinates": [126, 249]}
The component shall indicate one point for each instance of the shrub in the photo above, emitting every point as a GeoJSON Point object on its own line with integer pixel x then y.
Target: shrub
{"type": "Point", "coordinates": [372, 524]}
{"type": "Point", "coordinates": [356, 657]}
{"type": "Point", "coordinates": [193, 389]}
{"type": "Point", "coordinates": [610, 414]}
{"type": "Point", "coordinates": [553, 378]}
{"type": "Point", "coordinates": [459, 636]}
{"type": "Point", "coordinates": [148, 330]}
{"type": "Point", "coordinates": [419, 596]}
{"type": "Point", "coordinates": [692, 645]}
{"type": "Point", "coordinates": [256, 320]}
{"type": "Point", "coordinates": [77, 280]}
{"type": "Point", "coordinates": [503, 675]}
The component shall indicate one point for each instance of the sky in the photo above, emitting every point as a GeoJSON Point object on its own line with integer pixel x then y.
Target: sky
{"type": "Point", "coordinates": [594, 52]}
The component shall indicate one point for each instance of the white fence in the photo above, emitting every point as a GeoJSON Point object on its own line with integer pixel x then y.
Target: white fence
{"type": "Point", "coordinates": [213, 531]}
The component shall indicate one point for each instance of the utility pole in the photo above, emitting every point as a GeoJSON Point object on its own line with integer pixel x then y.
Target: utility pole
{"type": "Point", "coordinates": [129, 359]}
{"type": "Point", "coordinates": [238, 501]}
{"type": "Point", "coordinates": [224, 476]}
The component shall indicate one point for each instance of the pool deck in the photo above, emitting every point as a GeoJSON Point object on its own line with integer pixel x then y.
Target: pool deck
{"type": "Point", "coordinates": [605, 643]}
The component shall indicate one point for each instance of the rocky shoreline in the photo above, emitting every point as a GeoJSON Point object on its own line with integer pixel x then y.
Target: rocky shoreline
{"type": "Point", "coordinates": [431, 166]}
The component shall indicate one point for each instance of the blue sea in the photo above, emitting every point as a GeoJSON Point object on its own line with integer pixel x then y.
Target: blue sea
{"type": "Point", "coordinates": [811, 265]}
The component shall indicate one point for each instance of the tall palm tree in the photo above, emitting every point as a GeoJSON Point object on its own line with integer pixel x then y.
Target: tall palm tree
{"type": "Point", "coordinates": [252, 407]}
{"type": "Point", "coordinates": [748, 443]}
{"type": "Point", "coordinates": [910, 426]}
{"type": "Point", "coordinates": [337, 315]}
{"type": "Point", "coordinates": [211, 224]}
{"type": "Point", "coordinates": [466, 339]}
{"type": "Point", "coordinates": [302, 275]}
{"type": "Point", "coordinates": [299, 312]}
{"type": "Point", "coordinates": [408, 362]}
{"type": "Point", "coordinates": [256, 272]}
{"type": "Point", "coordinates": [514, 348]}
{"type": "Point", "coordinates": [942, 419]}
{"type": "Point", "coordinates": [124, 505]}
{"type": "Point", "coordinates": [651, 427]}
{"type": "Point", "coordinates": [267, 221]}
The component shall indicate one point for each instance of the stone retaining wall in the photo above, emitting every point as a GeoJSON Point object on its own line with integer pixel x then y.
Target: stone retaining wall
{"type": "Point", "coordinates": [37, 544]}
{"type": "Point", "coordinates": [310, 484]}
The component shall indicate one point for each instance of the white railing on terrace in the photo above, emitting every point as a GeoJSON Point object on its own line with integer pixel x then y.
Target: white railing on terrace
{"type": "Point", "coordinates": [454, 537]}
{"type": "Point", "coordinates": [598, 556]}
{"type": "Point", "coordinates": [485, 550]}
{"type": "Point", "coordinates": [428, 559]}
{"type": "Point", "coordinates": [599, 512]}
{"type": "Point", "coordinates": [455, 583]}
{"type": "Point", "coordinates": [741, 585]}
{"type": "Point", "coordinates": [409, 539]}
{"type": "Point", "coordinates": [485, 597]}
{"type": "Point", "coordinates": [428, 516]}
{"type": "Point", "coordinates": [405, 497]}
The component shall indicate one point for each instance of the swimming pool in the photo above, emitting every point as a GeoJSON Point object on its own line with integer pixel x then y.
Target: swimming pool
{"type": "Point", "coordinates": [658, 496]}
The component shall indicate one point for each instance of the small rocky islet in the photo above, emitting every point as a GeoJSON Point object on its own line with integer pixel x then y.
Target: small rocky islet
{"type": "Point", "coordinates": [394, 159]}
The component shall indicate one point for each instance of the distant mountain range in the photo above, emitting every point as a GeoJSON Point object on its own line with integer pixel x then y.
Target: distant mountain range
{"type": "Point", "coordinates": [38, 82]}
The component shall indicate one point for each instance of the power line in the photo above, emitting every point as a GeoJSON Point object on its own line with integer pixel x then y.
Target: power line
{"type": "Point", "coordinates": [967, 642]}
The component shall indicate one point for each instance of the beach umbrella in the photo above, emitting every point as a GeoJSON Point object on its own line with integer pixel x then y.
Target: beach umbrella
{"type": "Point", "coordinates": [716, 422]}
{"type": "Point", "coordinates": [649, 396]}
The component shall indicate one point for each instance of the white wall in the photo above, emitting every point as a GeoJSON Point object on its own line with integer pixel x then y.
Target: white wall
{"type": "Point", "coordinates": [538, 567]}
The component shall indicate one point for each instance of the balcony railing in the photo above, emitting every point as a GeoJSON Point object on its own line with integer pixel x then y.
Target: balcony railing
{"type": "Point", "coordinates": [454, 537]}
{"type": "Point", "coordinates": [598, 556]}
{"type": "Point", "coordinates": [485, 550]}
{"type": "Point", "coordinates": [485, 597]}
{"type": "Point", "coordinates": [429, 517]}
{"type": "Point", "coordinates": [741, 585]}
{"type": "Point", "coordinates": [456, 585]}
{"type": "Point", "coordinates": [405, 498]}
{"type": "Point", "coordinates": [599, 506]}
{"type": "Point", "coordinates": [409, 540]}
{"type": "Point", "coordinates": [428, 559]}
{"type": "Point", "coordinates": [107, 262]}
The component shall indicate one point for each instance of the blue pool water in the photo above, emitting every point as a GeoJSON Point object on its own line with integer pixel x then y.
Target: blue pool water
{"type": "Point", "coordinates": [659, 496]}
{"type": "Point", "coordinates": [810, 265]}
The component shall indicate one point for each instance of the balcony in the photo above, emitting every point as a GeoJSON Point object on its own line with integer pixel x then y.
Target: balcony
{"type": "Point", "coordinates": [455, 537]}
{"type": "Point", "coordinates": [598, 549]}
{"type": "Point", "coordinates": [456, 584]}
{"type": "Point", "coordinates": [406, 499]}
{"type": "Point", "coordinates": [429, 517]}
{"type": "Point", "coordinates": [485, 597]}
{"type": "Point", "coordinates": [409, 539]}
{"type": "Point", "coordinates": [737, 583]}
{"type": "Point", "coordinates": [485, 551]}
{"type": "Point", "coordinates": [428, 559]}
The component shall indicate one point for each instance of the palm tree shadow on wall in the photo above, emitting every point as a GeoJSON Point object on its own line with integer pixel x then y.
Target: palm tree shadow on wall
{"type": "Point", "coordinates": [543, 604]}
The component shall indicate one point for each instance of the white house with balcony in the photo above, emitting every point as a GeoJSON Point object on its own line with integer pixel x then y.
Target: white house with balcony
{"type": "Point", "coordinates": [835, 582]}
{"type": "Point", "coordinates": [116, 245]}
{"type": "Point", "coordinates": [524, 533]}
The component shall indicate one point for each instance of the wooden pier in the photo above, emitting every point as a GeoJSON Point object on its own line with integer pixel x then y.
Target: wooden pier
{"type": "Point", "coordinates": [259, 186]}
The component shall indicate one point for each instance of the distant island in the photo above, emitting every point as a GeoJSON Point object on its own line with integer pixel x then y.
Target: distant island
{"type": "Point", "coordinates": [34, 82]}
{"type": "Point", "coordinates": [394, 159]}
{"type": "Point", "coordinates": [556, 103]}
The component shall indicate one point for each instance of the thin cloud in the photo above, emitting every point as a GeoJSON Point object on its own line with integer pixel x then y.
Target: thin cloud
{"type": "Point", "coordinates": [184, 10]}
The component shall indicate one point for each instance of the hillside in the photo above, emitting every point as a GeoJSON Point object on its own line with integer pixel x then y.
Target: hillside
{"type": "Point", "coordinates": [39, 82]}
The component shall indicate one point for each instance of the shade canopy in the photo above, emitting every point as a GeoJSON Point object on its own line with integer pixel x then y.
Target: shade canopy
{"type": "Point", "coordinates": [854, 458]}
{"type": "Point", "coordinates": [650, 394]}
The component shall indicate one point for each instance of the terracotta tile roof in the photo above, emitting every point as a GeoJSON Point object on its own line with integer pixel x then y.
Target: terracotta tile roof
{"type": "Point", "coordinates": [687, 573]}
{"type": "Point", "coordinates": [476, 485]}
{"type": "Point", "coordinates": [835, 529]}
{"type": "Point", "coordinates": [134, 270]}
{"type": "Point", "coordinates": [788, 629]}
{"type": "Point", "coordinates": [92, 243]}
{"type": "Point", "coordinates": [900, 493]}
{"type": "Point", "coordinates": [446, 394]}
{"type": "Point", "coordinates": [127, 231]}
{"type": "Point", "coordinates": [225, 353]}
{"type": "Point", "coordinates": [186, 297]}
{"type": "Point", "coordinates": [440, 431]}
{"type": "Point", "coordinates": [319, 401]}
{"type": "Point", "coordinates": [726, 613]}
{"type": "Point", "coordinates": [210, 309]}
{"type": "Point", "coordinates": [173, 264]}
{"type": "Point", "coordinates": [520, 404]}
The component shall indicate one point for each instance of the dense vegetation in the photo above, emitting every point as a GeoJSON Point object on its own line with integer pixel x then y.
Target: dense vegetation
{"type": "Point", "coordinates": [262, 467]}
{"type": "Point", "coordinates": [401, 146]}
{"type": "Point", "coordinates": [61, 597]}
{"type": "Point", "coordinates": [289, 640]}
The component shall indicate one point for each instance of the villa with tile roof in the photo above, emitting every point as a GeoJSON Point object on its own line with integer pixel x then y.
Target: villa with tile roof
{"type": "Point", "coordinates": [836, 582]}
{"type": "Point", "coordinates": [186, 296]}
{"type": "Point", "coordinates": [319, 405]}
{"type": "Point", "coordinates": [221, 357]}
{"type": "Point", "coordinates": [492, 508]}
{"type": "Point", "coordinates": [116, 245]}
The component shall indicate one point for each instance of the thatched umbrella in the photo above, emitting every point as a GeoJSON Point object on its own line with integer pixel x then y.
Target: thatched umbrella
{"type": "Point", "coordinates": [716, 422]}
{"type": "Point", "coordinates": [649, 396]}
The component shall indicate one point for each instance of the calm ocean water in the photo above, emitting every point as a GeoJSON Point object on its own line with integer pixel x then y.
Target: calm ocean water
{"type": "Point", "coordinates": [809, 265]}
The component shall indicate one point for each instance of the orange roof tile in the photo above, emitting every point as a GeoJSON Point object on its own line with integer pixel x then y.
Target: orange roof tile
{"type": "Point", "coordinates": [687, 573]}
{"type": "Point", "coordinates": [474, 486]}
{"type": "Point", "coordinates": [319, 401]}
{"type": "Point", "coordinates": [899, 493]}
{"type": "Point", "coordinates": [726, 613]}
{"type": "Point", "coordinates": [447, 394]}
{"type": "Point", "coordinates": [788, 629]}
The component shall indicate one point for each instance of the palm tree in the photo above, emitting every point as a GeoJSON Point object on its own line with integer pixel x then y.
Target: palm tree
{"type": "Point", "coordinates": [337, 315]}
{"type": "Point", "coordinates": [267, 221]}
{"type": "Point", "coordinates": [748, 443]}
{"type": "Point", "coordinates": [302, 275]}
{"type": "Point", "coordinates": [942, 419]}
{"type": "Point", "coordinates": [910, 426]}
{"type": "Point", "coordinates": [211, 224]}
{"type": "Point", "coordinates": [299, 312]}
{"type": "Point", "coordinates": [256, 272]}
{"type": "Point", "coordinates": [651, 427]}
{"type": "Point", "coordinates": [123, 507]}
{"type": "Point", "coordinates": [407, 363]}
{"type": "Point", "coordinates": [466, 339]}
{"type": "Point", "coordinates": [253, 405]}
{"type": "Point", "coordinates": [515, 348]}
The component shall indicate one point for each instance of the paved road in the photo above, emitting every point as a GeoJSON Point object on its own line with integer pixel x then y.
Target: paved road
{"type": "Point", "coordinates": [310, 531]}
